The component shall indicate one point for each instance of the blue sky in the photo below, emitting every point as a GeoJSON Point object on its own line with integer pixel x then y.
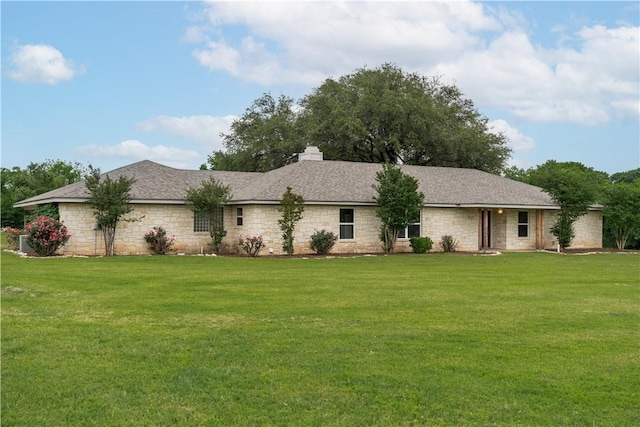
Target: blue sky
{"type": "Point", "coordinates": [111, 83]}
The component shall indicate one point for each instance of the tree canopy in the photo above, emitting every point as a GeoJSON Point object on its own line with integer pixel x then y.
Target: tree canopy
{"type": "Point", "coordinates": [37, 178]}
{"type": "Point", "coordinates": [571, 184]}
{"type": "Point", "coordinates": [382, 115]}
{"type": "Point", "coordinates": [266, 137]}
{"type": "Point", "coordinates": [622, 212]}
{"type": "Point", "coordinates": [628, 176]}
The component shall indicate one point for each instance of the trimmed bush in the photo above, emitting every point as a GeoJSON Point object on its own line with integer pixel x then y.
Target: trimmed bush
{"type": "Point", "coordinates": [46, 235]}
{"type": "Point", "coordinates": [158, 241]}
{"type": "Point", "coordinates": [13, 238]}
{"type": "Point", "coordinates": [322, 242]}
{"type": "Point", "coordinates": [448, 243]}
{"type": "Point", "coordinates": [251, 245]}
{"type": "Point", "coordinates": [421, 245]}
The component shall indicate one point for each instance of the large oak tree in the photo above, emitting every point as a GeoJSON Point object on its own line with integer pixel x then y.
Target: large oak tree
{"type": "Point", "coordinates": [266, 137]}
{"type": "Point", "coordinates": [381, 115]}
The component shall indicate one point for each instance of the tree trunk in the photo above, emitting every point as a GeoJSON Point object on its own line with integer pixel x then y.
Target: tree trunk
{"type": "Point", "coordinates": [109, 234]}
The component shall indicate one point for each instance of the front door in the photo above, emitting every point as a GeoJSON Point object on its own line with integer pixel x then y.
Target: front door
{"type": "Point", "coordinates": [484, 225]}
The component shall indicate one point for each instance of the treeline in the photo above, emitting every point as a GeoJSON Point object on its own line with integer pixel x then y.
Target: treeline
{"type": "Point", "coordinates": [37, 178]}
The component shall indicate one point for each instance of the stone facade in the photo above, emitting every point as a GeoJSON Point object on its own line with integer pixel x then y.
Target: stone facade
{"type": "Point", "coordinates": [588, 230]}
{"type": "Point", "coordinates": [464, 224]}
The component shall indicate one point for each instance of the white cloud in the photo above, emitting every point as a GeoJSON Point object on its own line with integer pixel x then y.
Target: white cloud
{"type": "Point", "coordinates": [204, 130]}
{"type": "Point", "coordinates": [588, 77]}
{"type": "Point", "coordinates": [517, 141]}
{"type": "Point", "coordinates": [305, 42]}
{"type": "Point", "coordinates": [40, 63]}
{"type": "Point", "coordinates": [586, 85]}
{"type": "Point", "coordinates": [133, 150]}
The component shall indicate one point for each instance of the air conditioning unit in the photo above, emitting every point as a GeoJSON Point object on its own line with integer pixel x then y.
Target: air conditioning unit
{"type": "Point", "coordinates": [24, 246]}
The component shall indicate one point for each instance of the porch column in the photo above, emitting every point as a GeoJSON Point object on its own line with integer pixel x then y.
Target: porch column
{"type": "Point", "coordinates": [539, 229]}
{"type": "Point", "coordinates": [480, 233]}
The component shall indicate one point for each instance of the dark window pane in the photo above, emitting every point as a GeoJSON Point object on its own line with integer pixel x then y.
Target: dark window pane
{"type": "Point", "coordinates": [523, 230]}
{"type": "Point", "coordinates": [523, 217]}
{"type": "Point", "coordinates": [346, 231]}
{"type": "Point", "coordinates": [414, 230]}
{"type": "Point", "coordinates": [346, 215]}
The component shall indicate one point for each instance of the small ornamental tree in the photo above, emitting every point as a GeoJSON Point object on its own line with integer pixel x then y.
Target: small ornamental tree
{"type": "Point", "coordinates": [399, 203]}
{"type": "Point", "coordinates": [622, 211]}
{"type": "Point", "coordinates": [292, 209]}
{"type": "Point", "coordinates": [109, 199]}
{"type": "Point", "coordinates": [46, 235]}
{"type": "Point", "coordinates": [210, 199]}
{"type": "Point", "coordinates": [573, 187]}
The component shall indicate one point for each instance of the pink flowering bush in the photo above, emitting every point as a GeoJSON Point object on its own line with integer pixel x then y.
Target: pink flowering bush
{"type": "Point", "coordinates": [158, 241]}
{"type": "Point", "coordinates": [252, 245]}
{"type": "Point", "coordinates": [13, 238]}
{"type": "Point", "coordinates": [46, 235]}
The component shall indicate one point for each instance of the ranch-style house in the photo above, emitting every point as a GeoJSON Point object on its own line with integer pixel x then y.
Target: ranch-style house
{"type": "Point", "coordinates": [480, 210]}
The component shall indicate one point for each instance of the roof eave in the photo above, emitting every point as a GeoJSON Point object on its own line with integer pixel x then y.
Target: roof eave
{"type": "Point", "coordinates": [27, 203]}
{"type": "Point", "coordinates": [505, 206]}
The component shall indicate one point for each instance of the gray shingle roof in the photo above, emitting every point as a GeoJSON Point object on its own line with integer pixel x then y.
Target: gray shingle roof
{"type": "Point", "coordinates": [333, 182]}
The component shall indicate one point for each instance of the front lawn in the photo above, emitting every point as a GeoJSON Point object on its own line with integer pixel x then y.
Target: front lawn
{"type": "Point", "coordinates": [518, 339]}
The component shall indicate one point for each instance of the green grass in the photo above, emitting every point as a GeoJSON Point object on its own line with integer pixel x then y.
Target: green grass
{"type": "Point", "coordinates": [520, 339]}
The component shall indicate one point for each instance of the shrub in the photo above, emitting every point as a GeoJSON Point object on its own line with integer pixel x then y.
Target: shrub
{"type": "Point", "coordinates": [322, 242]}
{"type": "Point", "coordinates": [448, 243]}
{"type": "Point", "coordinates": [13, 238]}
{"type": "Point", "coordinates": [252, 245]}
{"type": "Point", "coordinates": [421, 245]}
{"type": "Point", "coordinates": [46, 235]}
{"type": "Point", "coordinates": [158, 241]}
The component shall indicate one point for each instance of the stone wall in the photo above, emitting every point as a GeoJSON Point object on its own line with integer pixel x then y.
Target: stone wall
{"type": "Point", "coordinates": [588, 230]}
{"type": "Point", "coordinates": [460, 223]}
{"type": "Point", "coordinates": [176, 219]}
{"type": "Point", "coordinates": [512, 240]}
{"type": "Point", "coordinates": [262, 220]}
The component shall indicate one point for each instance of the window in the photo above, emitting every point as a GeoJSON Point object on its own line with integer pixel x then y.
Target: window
{"type": "Point", "coordinates": [523, 224]}
{"type": "Point", "coordinates": [346, 223]}
{"type": "Point", "coordinates": [412, 230]}
{"type": "Point", "coordinates": [239, 216]}
{"type": "Point", "coordinates": [201, 220]}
